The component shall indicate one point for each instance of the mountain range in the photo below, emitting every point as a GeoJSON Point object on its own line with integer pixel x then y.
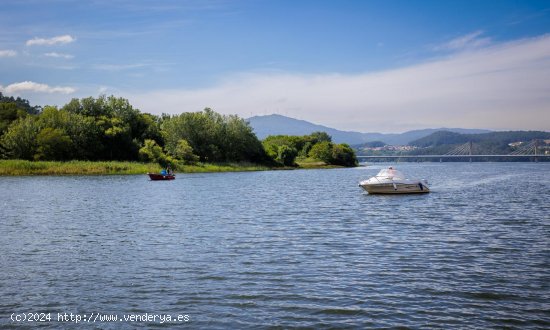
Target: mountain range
{"type": "Point", "coordinates": [281, 125]}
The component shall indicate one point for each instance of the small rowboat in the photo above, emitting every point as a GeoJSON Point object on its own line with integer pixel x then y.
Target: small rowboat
{"type": "Point", "coordinates": [157, 177]}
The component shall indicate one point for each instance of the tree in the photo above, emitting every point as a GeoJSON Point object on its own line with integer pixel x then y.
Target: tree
{"type": "Point", "coordinates": [343, 154]}
{"type": "Point", "coordinates": [317, 137]}
{"type": "Point", "coordinates": [286, 155]}
{"type": "Point", "coordinates": [283, 149]}
{"type": "Point", "coordinates": [85, 133]}
{"type": "Point", "coordinates": [89, 106]}
{"type": "Point", "coordinates": [185, 153]}
{"type": "Point", "coordinates": [19, 141]}
{"type": "Point", "coordinates": [9, 112]}
{"type": "Point", "coordinates": [147, 126]}
{"type": "Point", "coordinates": [151, 152]}
{"type": "Point", "coordinates": [322, 151]}
{"type": "Point", "coordinates": [21, 104]}
{"type": "Point", "coordinates": [213, 137]}
{"type": "Point", "coordinates": [124, 128]}
{"type": "Point", "coordinates": [241, 144]}
{"type": "Point", "coordinates": [53, 144]}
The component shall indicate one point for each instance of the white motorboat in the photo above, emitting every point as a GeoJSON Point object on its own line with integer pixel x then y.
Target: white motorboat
{"type": "Point", "coordinates": [392, 181]}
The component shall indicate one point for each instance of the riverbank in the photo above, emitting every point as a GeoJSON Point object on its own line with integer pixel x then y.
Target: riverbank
{"type": "Point", "coordinates": [25, 167]}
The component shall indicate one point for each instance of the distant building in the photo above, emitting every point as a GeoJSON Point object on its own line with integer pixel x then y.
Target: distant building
{"type": "Point", "coordinates": [391, 148]}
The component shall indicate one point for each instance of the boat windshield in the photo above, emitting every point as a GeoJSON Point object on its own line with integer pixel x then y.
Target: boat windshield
{"type": "Point", "coordinates": [391, 173]}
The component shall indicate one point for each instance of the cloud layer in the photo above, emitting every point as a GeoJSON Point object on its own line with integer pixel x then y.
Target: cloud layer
{"type": "Point", "coordinates": [504, 86]}
{"type": "Point", "coordinates": [64, 39]}
{"type": "Point", "coordinates": [59, 55]}
{"type": "Point", "coordinates": [8, 53]}
{"type": "Point", "coordinates": [469, 41]}
{"type": "Point", "coordinates": [33, 87]}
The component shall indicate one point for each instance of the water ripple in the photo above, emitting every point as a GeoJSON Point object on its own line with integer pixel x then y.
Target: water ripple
{"type": "Point", "coordinates": [283, 249]}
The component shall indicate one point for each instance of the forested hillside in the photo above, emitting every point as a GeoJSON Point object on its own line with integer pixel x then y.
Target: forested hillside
{"type": "Point", "coordinates": [488, 143]}
{"type": "Point", "coordinates": [497, 138]}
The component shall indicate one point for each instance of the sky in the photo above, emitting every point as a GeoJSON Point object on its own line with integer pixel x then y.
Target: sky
{"type": "Point", "coordinates": [359, 65]}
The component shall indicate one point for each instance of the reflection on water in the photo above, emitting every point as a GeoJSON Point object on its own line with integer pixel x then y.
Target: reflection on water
{"type": "Point", "coordinates": [283, 248]}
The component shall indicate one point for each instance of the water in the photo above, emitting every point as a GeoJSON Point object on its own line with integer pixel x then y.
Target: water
{"type": "Point", "coordinates": [281, 249]}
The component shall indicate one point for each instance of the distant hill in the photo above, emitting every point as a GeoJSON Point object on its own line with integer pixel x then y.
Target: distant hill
{"type": "Point", "coordinates": [487, 143]}
{"type": "Point", "coordinates": [504, 138]}
{"type": "Point", "coordinates": [280, 125]}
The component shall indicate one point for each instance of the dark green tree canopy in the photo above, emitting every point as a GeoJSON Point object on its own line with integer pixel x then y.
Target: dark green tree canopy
{"type": "Point", "coordinates": [21, 104]}
{"type": "Point", "coordinates": [110, 128]}
{"type": "Point", "coordinates": [317, 146]}
{"type": "Point", "coordinates": [213, 137]}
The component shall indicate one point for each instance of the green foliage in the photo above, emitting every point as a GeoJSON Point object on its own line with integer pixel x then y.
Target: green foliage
{"type": "Point", "coordinates": [213, 137]}
{"type": "Point", "coordinates": [322, 151]}
{"type": "Point", "coordinates": [147, 126]}
{"type": "Point", "coordinates": [19, 141]}
{"type": "Point", "coordinates": [9, 112]}
{"type": "Point", "coordinates": [334, 154]}
{"type": "Point", "coordinates": [83, 131]}
{"type": "Point", "coordinates": [305, 150]}
{"type": "Point", "coordinates": [123, 128]}
{"type": "Point", "coordinates": [53, 144]}
{"type": "Point", "coordinates": [286, 155]}
{"type": "Point", "coordinates": [284, 149]}
{"type": "Point", "coordinates": [12, 109]}
{"type": "Point", "coordinates": [92, 107]}
{"type": "Point", "coordinates": [317, 137]}
{"type": "Point", "coordinates": [151, 152]}
{"type": "Point", "coordinates": [343, 154]}
{"type": "Point", "coordinates": [109, 128]}
{"type": "Point", "coordinates": [20, 104]}
{"type": "Point", "coordinates": [184, 152]}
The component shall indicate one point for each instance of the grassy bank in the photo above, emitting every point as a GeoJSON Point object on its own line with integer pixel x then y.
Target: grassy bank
{"type": "Point", "coordinates": [308, 163]}
{"type": "Point", "coordinates": [25, 167]}
{"type": "Point", "coordinates": [228, 167]}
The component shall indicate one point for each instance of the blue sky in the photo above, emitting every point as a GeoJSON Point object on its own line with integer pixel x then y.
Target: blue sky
{"type": "Point", "coordinates": [386, 66]}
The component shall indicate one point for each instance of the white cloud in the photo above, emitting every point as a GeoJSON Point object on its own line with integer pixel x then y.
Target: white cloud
{"type": "Point", "coordinates": [64, 39]}
{"type": "Point", "coordinates": [30, 86]}
{"type": "Point", "coordinates": [59, 55]}
{"type": "Point", "coordinates": [504, 86]}
{"type": "Point", "coordinates": [119, 67]}
{"type": "Point", "coordinates": [8, 53]}
{"type": "Point", "coordinates": [470, 41]}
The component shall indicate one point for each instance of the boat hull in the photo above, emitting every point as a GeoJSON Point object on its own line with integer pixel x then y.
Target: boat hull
{"type": "Point", "coordinates": [161, 177]}
{"type": "Point", "coordinates": [397, 188]}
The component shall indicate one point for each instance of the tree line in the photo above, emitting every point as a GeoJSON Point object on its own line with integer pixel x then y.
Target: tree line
{"type": "Point", "coordinates": [110, 128]}
{"type": "Point", "coordinates": [285, 149]}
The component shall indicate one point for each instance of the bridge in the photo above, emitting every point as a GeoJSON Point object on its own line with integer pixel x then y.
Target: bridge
{"type": "Point", "coordinates": [467, 151]}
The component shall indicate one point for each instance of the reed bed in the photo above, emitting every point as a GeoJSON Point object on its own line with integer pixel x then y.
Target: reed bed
{"type": "Point", "coordinates": [25, 167]}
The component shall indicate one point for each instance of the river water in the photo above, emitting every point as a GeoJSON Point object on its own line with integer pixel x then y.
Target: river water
{"type": "Point", "coordinates": [279, 249]}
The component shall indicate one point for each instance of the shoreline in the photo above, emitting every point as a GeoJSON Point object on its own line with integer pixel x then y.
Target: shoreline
{"type": "Point", "coordinates": [77, 167]}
